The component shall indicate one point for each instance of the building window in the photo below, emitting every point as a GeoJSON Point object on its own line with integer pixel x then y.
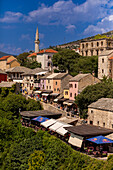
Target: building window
{"type": "Point", "coordinates": [70, 94]}
{"type": "Point", "coordinates": [97, 44]}
{"type": "Point", "coordinates": [97, 123]}
{"type": "Point", "coordinates": [91, 44]}
{"type": "Point", "coordinates": [71, 85]}
{"type": "Point", "coordinates": [86, 53]}
{"type": "Point", "coordinates": [104, 124]}
{"type": "Point", "coordinates": [49, 57]}
{"type": "Point", "coordinates": [110, 70]}
{"type": "Point", "coordinates": [97, 52]}
{"type": "Point", "coordinates": [86, 44]}
{"type": "Point", "coordinates": [58, 89]}
{"type": "Point", "coordinates": [75, 95]}
{"type": "Point", "coordinates": [109, 44]}
{"type": "Point", "coordinates": [47, 87]}
{"type": "Point", "coordinates": [91, 52]}
{"type": "Point", "coordinates": [102, 70]}
{"type": "Point", "coordinates": [82, 45]}
{"type": "Point", "coordinates": [17, 75]}
{"type": "Point", "coordinates": [66, 92]}
{"type": "Point", "coordinates": [43, 87]}
{"type": "Point", "coordinates": [101, 43]}
{"type": "Point", "coordinates": [54, 89]}
{"type": "Point", "coordinates": [102, 60]}
{"type": "Point", "coordinates": [48, 81]}
{"type": "Point", "coordinates": [56, 83]}
{"type": "Point", "coordinates": [91, 111]}
{"type": "Point", "coordinates": [91, 122]}
{"type": "Point", "coordinates": [75, 86]}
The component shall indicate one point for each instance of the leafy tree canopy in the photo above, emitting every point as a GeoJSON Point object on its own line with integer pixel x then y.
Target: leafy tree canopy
{"type": "Point", "coordinates": [92, 93]}
{"type": "Point", "coordinates": [30, 63]}
{"type": "Point", "coordinates": [67, 59]}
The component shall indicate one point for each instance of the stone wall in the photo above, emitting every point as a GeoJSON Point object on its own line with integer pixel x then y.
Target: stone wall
{"type": "Point", "coordinates": [95, 47]}
{"type": "Point", "coordinates": [100, 118]}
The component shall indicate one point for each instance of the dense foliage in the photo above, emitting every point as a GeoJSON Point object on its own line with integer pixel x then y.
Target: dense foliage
{"type": "Point", "coordinates": [93, 93]}
{"type": "Point", "coordinates": [30, 63]}
{"type": "Point", "coordinates": [67, 59]}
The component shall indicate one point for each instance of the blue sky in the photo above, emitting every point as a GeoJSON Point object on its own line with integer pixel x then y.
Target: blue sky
{"type": "Point", "coordinates": [59, 21]}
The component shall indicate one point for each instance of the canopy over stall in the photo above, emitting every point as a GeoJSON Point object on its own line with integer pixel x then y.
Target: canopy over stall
{"type": "Point", "coordinates": [63, 131]}
{"type": "Point", "coordinates": [89, 130]}
{"type": "Point", "coordinates": [44, 113]}
{"type": "Point", "coordinates": [40, 119]}
{"type": "Point", "coordinates": [75, 140]}
{"type": "Point", "coordinates": [48, 123]}
{"type": "Point", "coordinates": [100, 140]}
{"type": "Point", "coordinates": [56, 126]}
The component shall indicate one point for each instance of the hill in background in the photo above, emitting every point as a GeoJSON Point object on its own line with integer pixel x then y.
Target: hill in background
{"type": "Point", "coordinates": [75, 44]}
{"type": "Point", "coordinates": [5, 54]}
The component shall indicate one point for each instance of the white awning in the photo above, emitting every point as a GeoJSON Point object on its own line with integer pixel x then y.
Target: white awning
{"type": "Point", "coordinates": [18, 81]}
{"type": "Point", "coordinates": [69, 104]}
{"type": "Point", "coordinates": [63, 131]}
{"type": "Point", "coordinates": [40, 73]}
{"type": "Point", "coordinates": [48, 123]}
{"type": "Point", "coordinates": [45, 94]}
{"type": "Point", "coordinates": [56, 126]}
{"type": "Point", "coordinates": [75, 140]}
{"type": "Point", "coordinates": [55, 100]}
{"type": "Point", "coordinates": [38, 91]}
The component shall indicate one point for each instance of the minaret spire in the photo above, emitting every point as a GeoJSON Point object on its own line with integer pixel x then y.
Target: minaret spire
{"type": "Point", "coordinates": [37, 41]}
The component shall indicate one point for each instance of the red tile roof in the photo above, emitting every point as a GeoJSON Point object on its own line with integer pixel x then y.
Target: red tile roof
{"type": "Point", "coordinates": [110, 58]}
{"type": "Point", "coordinates": [33, 54]}
{"type": "Point", "coordinates": [47, 51]}
{"type": "Point", "coordinates": [4, 57]}
{"type": "Point", "coordinates": [11, 61]}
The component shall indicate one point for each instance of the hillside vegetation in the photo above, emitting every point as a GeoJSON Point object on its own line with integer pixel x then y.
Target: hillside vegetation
{"type": "Point", "coordinates": [67, 59]}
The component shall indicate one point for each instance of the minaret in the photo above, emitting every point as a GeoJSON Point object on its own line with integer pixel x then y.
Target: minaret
{"type": "Point", "coordinates": [37, 41]}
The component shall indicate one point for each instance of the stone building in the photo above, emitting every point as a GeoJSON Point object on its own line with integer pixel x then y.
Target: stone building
{"type": "Point", "coordinates": [105, 64]}
{"type": "Point", "coordinates": [7, 62]}
{"type": "Point", "coordinates": [100, 113]}
{"type": "Point", "coordinates": [95, 47]}
{"type": "Point", "coordinates": [15, 73]}
{"type": "Point", "coordinates": [31, 79]}
{"type": "Point", "coordinates": [79, 82]}
{"type": "Point", "coordinates": [45, 58]}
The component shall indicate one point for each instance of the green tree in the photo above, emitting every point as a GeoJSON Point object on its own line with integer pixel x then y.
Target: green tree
{"type": "Point", "coordinates": [67, 59]}
{"type": "Point", "coordinates": [91, 94]}
{"type": "Point", "coordinates": [36, 160]}
{"type": "Point", "coordinates": [22, 58]}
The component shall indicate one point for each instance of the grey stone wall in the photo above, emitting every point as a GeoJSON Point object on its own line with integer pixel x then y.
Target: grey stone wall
{"type": "Point", "coordinates": [100, 118]}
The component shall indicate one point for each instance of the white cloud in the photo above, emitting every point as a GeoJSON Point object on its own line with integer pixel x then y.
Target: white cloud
{"type": "Point", "coordinates": [70, 28]}
{"type": "Point", "coordinates": [62, 12]}
{"type": "Point", "coordinates": [105, 25]}
{"type": "Point", "coordinates": [11, 17]}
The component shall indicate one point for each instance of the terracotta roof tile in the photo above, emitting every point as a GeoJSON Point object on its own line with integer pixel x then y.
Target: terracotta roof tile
{"type": "Point", "coordinates": [47, 51]}
{"type": "Point", "coordinates": [11, 61]}
{"type": "Point", "coordinates": [33, 54]}
{"type": "Point", "coordinates": [4, 57]}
